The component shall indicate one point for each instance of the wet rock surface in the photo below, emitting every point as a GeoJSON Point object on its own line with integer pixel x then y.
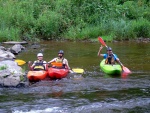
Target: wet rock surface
{"type": "Point", "coordinates": [17, 48]}
{"type": "Point", "coordinates": [146, 40]}
{"type": "Point", "coordinates": [10, 73]}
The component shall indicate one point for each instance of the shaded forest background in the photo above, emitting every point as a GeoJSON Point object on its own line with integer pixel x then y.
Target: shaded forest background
{"type": "Point", "coordinates": [33, 20]}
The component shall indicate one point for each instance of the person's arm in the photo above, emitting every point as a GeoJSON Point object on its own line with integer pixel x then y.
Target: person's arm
{"type": "Point", "coordinates": [66, 63]}
{"type": "Point", "coordinates": [53, 60]}
{"type": "Point", "coordinates": [117, 59]}
{"type": "Point", "coordinates": [33, 65]}
{"type": "Point", "coordinates": [29, 65]}
{"type": "Point", "coordinates": [99, 52]}
{"type": "Point", "coordinates": [45, 64]}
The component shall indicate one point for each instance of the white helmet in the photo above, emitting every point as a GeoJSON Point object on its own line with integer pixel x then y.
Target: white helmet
{"type": "Point", "coordinates": [39, 54]}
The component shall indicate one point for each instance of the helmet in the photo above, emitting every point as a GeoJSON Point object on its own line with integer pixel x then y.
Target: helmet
{"type": "Point", "coordinates": [109, 49]}
{"type": "Point", "coordinates": [61, 52]}
{"type": "Point", "coordinates": [39, 54]}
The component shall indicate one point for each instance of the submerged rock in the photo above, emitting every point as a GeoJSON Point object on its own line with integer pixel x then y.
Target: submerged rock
{"type": "Point", "coordinates": [35, 46]}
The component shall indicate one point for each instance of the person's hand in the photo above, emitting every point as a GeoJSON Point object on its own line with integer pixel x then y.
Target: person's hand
{"type": "Point", "coordinates": [122, 66]}
{"type": "Point", "coordinates": [30, 62]}
{"type": "Point", "coordinates": [101, 47]}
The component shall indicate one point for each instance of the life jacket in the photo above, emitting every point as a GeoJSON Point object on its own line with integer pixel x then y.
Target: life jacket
{"type": "Point", "coordinates": [39, 65]}
{"type": "Point", "coordinates": [58, 60]}
{"type": "Point", "coordinates": [110, 59]}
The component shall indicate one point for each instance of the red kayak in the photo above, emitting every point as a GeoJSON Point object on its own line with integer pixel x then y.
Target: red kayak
{"type": "Point", "coordinates": [37, 75]}
{"type": "Point", "coordinates": [55, 73]}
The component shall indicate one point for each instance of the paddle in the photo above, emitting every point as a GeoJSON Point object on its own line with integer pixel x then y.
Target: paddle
{"type": "Point", "coordinates": [102, 41]}
{"type": "Point", "coordinates": [76, 70]}
{"type": "Point", "coordinates": [125, 69]}
{"type": "Point", "coordinates": [20, 62]}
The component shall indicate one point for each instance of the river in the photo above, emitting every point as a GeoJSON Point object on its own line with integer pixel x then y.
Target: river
{"type": "Point", "coordinates": [91, 92]}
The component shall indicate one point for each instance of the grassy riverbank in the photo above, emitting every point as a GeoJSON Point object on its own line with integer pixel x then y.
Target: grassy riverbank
{"type": "Point", "coordinates": [74, 19]}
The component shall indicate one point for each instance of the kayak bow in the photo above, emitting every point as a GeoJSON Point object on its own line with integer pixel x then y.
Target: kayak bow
{"type": "Point", "coordinates": [110, 69]}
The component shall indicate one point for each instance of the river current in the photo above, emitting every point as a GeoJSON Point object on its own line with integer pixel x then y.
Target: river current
{"type": "Point", "coordinates": [91, 92]}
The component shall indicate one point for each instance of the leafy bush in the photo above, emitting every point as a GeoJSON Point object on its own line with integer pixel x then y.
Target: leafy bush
{"type": "Point", "coordinates": [73, 19]}
{"type": "Point", "coordinates": [141, 28]}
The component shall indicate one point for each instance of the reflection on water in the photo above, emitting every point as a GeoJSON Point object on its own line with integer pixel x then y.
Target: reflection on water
{"type": "Point", "coordinates": [92, 92]}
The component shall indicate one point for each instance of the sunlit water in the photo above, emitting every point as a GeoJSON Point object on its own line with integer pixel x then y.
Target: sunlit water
{"type": "Point", "coordinates": [92, 92]}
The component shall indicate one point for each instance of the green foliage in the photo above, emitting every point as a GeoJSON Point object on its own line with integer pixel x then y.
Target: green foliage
{"type": "Point", "coordinates": [141, 28]}
{"type": "Point", "coordinates": [3, 67]}
{"type": "Point", "coordinates": [48, 24]}
{"type": "Point", "coordinates": [122, 29]}
{"type": "Point", "coordinates": [8, 34]}
{"type": "Point", "coordinates": [73, 19]}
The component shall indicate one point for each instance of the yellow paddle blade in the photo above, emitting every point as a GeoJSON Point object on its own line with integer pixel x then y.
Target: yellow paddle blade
{"type": "Point", "coordinates": [20, 62]}
{"type": "Point", "coordinates": [78, 70]}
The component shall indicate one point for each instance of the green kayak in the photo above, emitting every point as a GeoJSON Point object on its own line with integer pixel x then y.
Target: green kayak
{"type": "Point", "coordinates": [110, 69]}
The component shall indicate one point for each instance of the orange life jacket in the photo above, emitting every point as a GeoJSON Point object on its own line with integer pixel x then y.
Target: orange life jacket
{"type": "Point", "coordinates": [60, 63]}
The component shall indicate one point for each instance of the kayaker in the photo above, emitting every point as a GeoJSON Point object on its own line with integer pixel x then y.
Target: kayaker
{"type": "Point", "coordinates": [39, 64]}
{"type": "Point", "coordinates": [60, 59]}
{"type": "Point", "coordinates": [109, 56]}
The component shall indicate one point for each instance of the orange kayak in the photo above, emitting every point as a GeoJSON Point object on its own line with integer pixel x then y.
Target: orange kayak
{"type": "Point", "coordinates": [55, 73]}
{"type": "Point", "coordinates": [37, 75]}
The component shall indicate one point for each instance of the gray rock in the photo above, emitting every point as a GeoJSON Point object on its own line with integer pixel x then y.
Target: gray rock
{"type": "Point", "coordinates": [6, 54]}
{"type": "Point", "coordinates": [10, 73]}
{"type": "Point", "coordinates": [17, 48]}
{"type": "Point", "coordinates": [15, 42]}
{"type": "Point", "coordinates": [35, 46]}
{"type": "Point", "coordinates": [3, 48]}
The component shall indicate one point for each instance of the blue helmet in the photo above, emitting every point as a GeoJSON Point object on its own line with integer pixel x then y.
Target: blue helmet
{"type": "Point", "coordinates": [60, 52]}
{"type": "Point", "coordinates": [109, 49]}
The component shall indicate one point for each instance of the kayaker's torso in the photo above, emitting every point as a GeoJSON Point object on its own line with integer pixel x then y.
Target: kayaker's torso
{"type": "Point", "coordinates": [60, 60]}
{"type": "Point", "coordinates": [110, 58]}
{"type": "Point", "coordinates": [39, 65]}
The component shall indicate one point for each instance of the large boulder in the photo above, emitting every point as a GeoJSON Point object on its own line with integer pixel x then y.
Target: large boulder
{"type": "Point", "coordinates": [6, 54]}
{"type": "Point", "coordinates": [11, 74]}
{"type": "Point", "coordinates": [17, 48]}
{"type": "Point", "coordinates": [3, 48]}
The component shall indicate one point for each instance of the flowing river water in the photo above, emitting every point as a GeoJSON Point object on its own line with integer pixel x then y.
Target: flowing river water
{"type": "Point", "coordinates": [91, 92]}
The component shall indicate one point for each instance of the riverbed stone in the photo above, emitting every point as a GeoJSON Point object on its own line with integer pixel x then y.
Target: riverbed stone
{"type": "Point", "coordinates": [15, 42]}
{"type": "Point", "coordinates": [10, 73]}
{"type": "Point", "coordinates": [3, 48]}
{"type": "Point", "coordinates": [6, 54]}
{"type": "Point", "coordinates": [17, 48]}
{"type": "Point", "coordinates": [35, 45]}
